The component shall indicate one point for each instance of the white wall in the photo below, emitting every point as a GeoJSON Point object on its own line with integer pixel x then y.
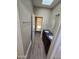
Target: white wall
{"type": "Point", "coordinates": [45, 13]}
{"type": "Point", "coordinates": [20, 50]}
{"type": "Point", "coordinates": [55, 20]}
{"type": "Point", "coordinates": [55, 48]}
{"type": "Point", "coordinates": [54, 26]}
{"type": "Point", "coordinates": [25, 10]}
{"type": "Point", "coordinates": [56, 52]}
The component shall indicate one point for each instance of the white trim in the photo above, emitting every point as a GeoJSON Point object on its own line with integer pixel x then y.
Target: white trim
{"type": "Point", "coordinates": [28, 49]}
{"type": "Point", "coordinates": [25, 56]}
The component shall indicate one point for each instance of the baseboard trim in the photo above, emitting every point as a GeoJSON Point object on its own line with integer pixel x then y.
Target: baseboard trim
{"type": "Point", "coordinates": [25, 56]}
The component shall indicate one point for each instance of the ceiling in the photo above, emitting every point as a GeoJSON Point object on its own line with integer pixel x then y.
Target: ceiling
{"type": "Point", "coordinates": [38, 3]}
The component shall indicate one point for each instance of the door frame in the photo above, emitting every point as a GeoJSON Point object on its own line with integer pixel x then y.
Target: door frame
{"type": "Point", "coordinates": [36, 19]}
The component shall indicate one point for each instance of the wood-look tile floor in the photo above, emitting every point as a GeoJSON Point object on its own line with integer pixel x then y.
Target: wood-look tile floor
{"type": "Point", "coordinates": [37, 50]}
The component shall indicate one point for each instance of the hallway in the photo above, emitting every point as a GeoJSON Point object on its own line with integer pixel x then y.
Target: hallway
{"type": "Point", "coordinates": [37, 51]}
{"type": "Point", "coordinates": [29, 43]}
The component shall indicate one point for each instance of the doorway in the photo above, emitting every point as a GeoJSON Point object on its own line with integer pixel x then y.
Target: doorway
{"type": "Point", "coordinates": [38, 23]}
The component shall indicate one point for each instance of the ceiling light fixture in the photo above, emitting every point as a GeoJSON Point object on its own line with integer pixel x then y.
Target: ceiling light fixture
{"type": "Point", "coordinates": [47, 2]}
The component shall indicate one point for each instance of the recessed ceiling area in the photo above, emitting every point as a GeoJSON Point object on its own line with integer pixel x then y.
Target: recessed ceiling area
{"type": "Point", "coordinates": [40, 3]}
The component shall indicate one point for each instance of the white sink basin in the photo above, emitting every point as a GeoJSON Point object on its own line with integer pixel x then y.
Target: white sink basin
{"type": "Point", "coordinates": [51, 37]}
{"type": "Point", "coordinates": [47, 31]}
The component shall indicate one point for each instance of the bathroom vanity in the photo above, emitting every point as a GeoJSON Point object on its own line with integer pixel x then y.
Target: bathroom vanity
{"type": "Point", "coordinates": [47, 37]}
